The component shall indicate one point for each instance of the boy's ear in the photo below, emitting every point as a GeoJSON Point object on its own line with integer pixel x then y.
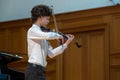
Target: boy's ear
{"type": "Point", "coordinates": [39, 18]}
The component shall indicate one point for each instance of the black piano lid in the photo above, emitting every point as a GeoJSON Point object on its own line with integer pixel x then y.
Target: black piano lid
{"type": "Point", "coordinates": [7, 57]}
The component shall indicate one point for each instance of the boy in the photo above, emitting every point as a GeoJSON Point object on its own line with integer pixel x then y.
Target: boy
{"type": "Point", "coordinates": [38, 46]}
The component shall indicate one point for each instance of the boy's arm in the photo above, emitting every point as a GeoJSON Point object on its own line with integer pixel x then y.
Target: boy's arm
{"type": "Point", "coordinates": [61, 48]}
{"type": "Point", "coordinates": [38, 34]}
{"type": "Point", "coordinates": [56, 51]}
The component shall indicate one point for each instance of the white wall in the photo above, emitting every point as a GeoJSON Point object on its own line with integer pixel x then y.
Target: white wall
{"type": "Point", "coordinates": [19, 9]}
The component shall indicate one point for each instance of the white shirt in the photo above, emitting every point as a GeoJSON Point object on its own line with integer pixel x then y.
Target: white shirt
{"type": "Point", "coordinates": [38, 46]}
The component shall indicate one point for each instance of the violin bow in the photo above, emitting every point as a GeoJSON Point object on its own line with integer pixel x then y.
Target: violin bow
{"type": "Point", "coordinates": [54, 18]}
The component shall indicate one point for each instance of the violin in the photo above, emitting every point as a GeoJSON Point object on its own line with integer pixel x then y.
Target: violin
{"type": "Point", "coordinates": [60, 33]}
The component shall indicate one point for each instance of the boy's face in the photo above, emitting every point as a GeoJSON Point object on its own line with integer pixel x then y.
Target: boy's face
{"type": "Point", "coordinates": [44, 21]}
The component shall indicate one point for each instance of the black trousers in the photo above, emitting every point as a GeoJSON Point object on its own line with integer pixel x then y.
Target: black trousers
{"type": "Point", "coordinates": [35, 72]}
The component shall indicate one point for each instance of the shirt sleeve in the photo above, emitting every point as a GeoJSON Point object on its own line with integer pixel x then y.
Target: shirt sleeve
{"type": "Point", "coordinates": [56, 51]}
{"type": "Point", "coordinates": [35, 33]}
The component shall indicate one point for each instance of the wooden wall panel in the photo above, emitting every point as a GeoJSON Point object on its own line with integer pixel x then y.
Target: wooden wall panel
{"type": "Point", "coordinates": [86, 63]}
{"type": "Point", "coordinates": [96, 55]}
{"type": "Point", "coordinates": [115, 33]}
{"type": "Point", "coordinates": [51, 69]}
{"type": "Point", "coordinates": [13, 40]}
{"type": "Point", "coordinates": [4, 40]}
{"type": "Point", "coordinates": [115, 47]}
{"type": "Point", "coordinates": [81, 22]}
{"type": "Point", "coordinates": [72, 60]}
{"type": "Point", "coordinates": [115, 73]}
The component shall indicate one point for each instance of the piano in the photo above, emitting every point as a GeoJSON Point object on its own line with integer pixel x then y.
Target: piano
{"type": "Point", "coordinates": [8, 63]}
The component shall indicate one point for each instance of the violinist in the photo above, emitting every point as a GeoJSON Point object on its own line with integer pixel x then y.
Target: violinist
{"type": "Point", "coordinates": [38, 46]}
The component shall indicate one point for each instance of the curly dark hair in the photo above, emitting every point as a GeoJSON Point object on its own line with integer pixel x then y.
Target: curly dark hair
{"type": "Point", "coordinates": [39, 11]}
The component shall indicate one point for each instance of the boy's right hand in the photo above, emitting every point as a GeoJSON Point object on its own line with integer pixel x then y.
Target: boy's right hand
{"type": "Point", "coordinates": [61, 40]}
